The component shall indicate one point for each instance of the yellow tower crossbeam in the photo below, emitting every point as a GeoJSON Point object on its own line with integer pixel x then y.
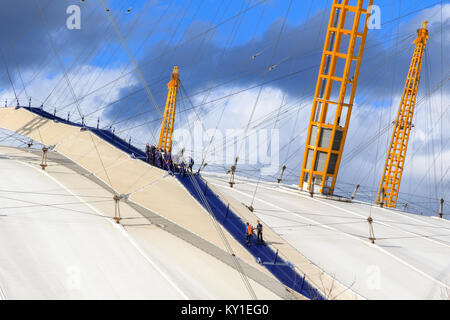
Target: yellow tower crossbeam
{"type": "Point", "coordinates": [168, 122]}
{"type": "Point", "coordinates": [334, 95]}
{"type": "Point", "coordinates": [395, 160]}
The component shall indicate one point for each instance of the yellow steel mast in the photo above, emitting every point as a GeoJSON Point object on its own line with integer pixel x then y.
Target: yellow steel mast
{"type": "Point", "coordinates": [167, 126]}
{"type": "Point", "coordinates": [395, 160]}
{"type": "Point", "coordinates": [334, 95]}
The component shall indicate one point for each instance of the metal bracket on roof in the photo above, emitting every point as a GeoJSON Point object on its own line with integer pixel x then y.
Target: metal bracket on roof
{"type": "Point", "coordinates": [122, 196]}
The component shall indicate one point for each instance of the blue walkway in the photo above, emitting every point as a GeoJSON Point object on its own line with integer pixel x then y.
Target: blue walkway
{"type": "Point", "coordinates": [236, 227]}
{"type": "Point", "coordinates": [281, 269]}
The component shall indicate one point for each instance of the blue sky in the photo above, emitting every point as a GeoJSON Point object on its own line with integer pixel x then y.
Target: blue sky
{"type": "Point", "coordinates": [187, 15]}
{"type": "Point", "coordinates": [215, 62]}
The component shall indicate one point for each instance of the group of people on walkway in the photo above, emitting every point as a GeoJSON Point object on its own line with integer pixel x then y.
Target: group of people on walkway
{"type": "Point", "coordinates": [249, 231]}
{"type": "Point", "coordinates": [164, 160]}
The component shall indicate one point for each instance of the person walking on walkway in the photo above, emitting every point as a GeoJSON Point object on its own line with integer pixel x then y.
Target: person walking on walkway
{"type": "Point", "coordinates": [153, 154]}
{"type": "Point", "coordinates": [158, 157]}
{"type": "Point", "coordinates": [248, 232]}
{"type": "Point", "coordinates": [182, 171]}
{"type": "Point", "coordinates": [259, 232]}
{"type": "Point", "coordinates": [190, 164]}
{"type": "Point", "coordinates": [147, 152]}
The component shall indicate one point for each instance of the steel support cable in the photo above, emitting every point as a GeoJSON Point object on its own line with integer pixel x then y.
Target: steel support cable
{"type": "Point", "coordinates": [152, 132]}
{"type": "Point", "coordinates": [152, 183]}
{"type": "Point", "coordinates": [366, 101]}
{"type": "Point", "coordinates": [380, 118]}
{"type": "Point", "coordinates": [130, 55]}
{"type": "Point", "coordinates": [367, 128]}
{"type": "Point", "coordinates": [286, 112]}
{"type": "Point", "coordinates": [112, 82]}
{"type": "Point", "coordinates": [223, 108]}
{"type": "Point", "coordinates": [137, 69]}
{"type": "Point", "coordinates": [21, 81]}
{"type": "Point", "coordinates": [48, 193]}
{"type": "Point", "coordinates": [270, 141]}
{"type": "Point", "coordinates": [270, 81]}
{"type": "Point", "coordinates": [429, 167]}
{"type": "Point", "coordinates": [400, 17]}
{"type": "Point", "coordinates": [209, 102]}
{"type": "Point", "coordinates": [10, 46]}
{"type": "Point", "coordinates": [167, 45]}
{"type": "Point", "coordinates": [266, 73]}
{"type": "Point", "coordinates": [11, 135]}
{"type": "Point", "coordinates": [228, 44]}
{"type": "Point", "coordinates": [123, 98]}
{"type": "Point", "coordinates": [237, 78]}
{"type": "Point", "coordinates": [371, 189]}
{"type": "Point", "coordinates": [101, 161]}
{"type": "Point", "coordinates": [62, 207]}
{"type": "Point", "coordinates": [115, 84]}
{"type": "Point", "coordinates": [36, 74]}
{"type": "Point", "coordinates": [222, 235]}
{"type": "Point", "coordinates": [386, 146]}
{"type": "Point", "coordinates": [115, 163]}
{"type": "Point", "coordinates": [173, 35]}
{"type": "Point", "coordinates": [380, 122]}
{"type": "Point", "coordinates": [427, 82]}
{"type": "Point", "coordinates": [428, 123]}
{"type": "Point", "coordinates": [139, 48]}
{"type": "Point", "coordinates": [77, 61]}
{"type": "Point", "coordinates": [258, 124]}
{"type": "Point", "coordinates": [229, 143]}
{"type": "Point", "coordinates": [109, 83]}
{"type": "Point", "coordinates": [238, 92]}
{"type": "Point", "coordinates": [191, 39]}
{"type": "Point", "coordinates": [27, 28]}
{"type": "Point", "coordinates": [266, 0]}
{"type": "Point", "coordinates": [58, 57]}
{"type": "Point", "coordinates": [203, 40]}
{"type": "Point", "coordinates": [51, 204]}
{"type": "Point", "coordinates": [199, 53]}
{"type": "Point", "coordinates": [442, 75]}
{"type": "Point", "coordinates": [78, 73]}
{"type": "Point", "coordinates": [304, 88]}
{"type": "Point", "coordinates": [265, 76]}
{"type": "Point", "coordinates": [400, 229]}
{"type": "Point", "coordinates": [368, 142]}
{"type": "Point", "coordinates": [230, 40]}
{"type": "Point", "coordinates": [280, 253]}
{"type": "Point", "coordinates": [9, 75]}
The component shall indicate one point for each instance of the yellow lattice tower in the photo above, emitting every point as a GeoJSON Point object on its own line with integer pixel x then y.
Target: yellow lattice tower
{"type": "Point", "coordinates": [167, 126]}
{"type": "Point", "coordinates": [334, 95]}
{"type": "Point", "coordinates": [395, 160]}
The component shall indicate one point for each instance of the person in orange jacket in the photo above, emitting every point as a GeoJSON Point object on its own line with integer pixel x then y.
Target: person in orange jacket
{"type": "Point", "coordinates": [248, 232]}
